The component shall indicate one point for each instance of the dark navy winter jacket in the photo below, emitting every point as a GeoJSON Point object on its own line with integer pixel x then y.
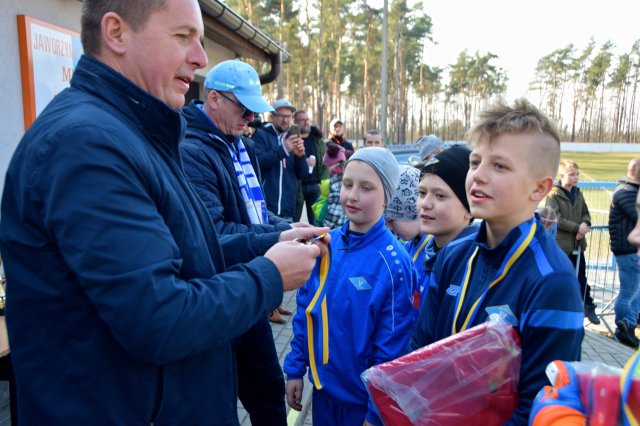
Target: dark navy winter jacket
{"type": "Point", "coordinates": [121, 309]}
{"type": "Point", "coordinates": [210, 170]}
{"type": "Point", "coordinates": [539, 295]}
{"type": "Point", "coordinates": [623, 217]}
{"type": "Point", "coordinates": [280, 170]}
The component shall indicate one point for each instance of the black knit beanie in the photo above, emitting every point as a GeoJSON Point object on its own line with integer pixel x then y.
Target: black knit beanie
{"type": "Point", "coordinates": [451, 165]}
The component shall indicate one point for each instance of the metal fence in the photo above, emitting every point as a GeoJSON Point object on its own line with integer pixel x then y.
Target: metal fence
{"type": "Point", "coordinates": [602, 274]}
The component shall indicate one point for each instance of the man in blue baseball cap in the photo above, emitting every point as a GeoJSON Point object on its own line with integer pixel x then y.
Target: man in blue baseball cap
{"type": "Point", "coordinates": [221, 166]}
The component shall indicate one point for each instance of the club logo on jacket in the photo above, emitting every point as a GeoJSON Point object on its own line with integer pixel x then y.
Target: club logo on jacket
{"type": "Point", "coordinates": [360, 283]}
{"type": "Point", "coordinates": [502, 312]}
{"type": "Point", "coordinates": [453, 290]}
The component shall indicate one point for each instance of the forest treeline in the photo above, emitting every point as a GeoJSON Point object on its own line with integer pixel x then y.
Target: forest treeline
{"type": "Point", "coordinates": [335, 71]}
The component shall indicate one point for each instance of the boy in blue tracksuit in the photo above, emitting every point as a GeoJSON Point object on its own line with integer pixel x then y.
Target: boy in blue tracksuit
{"type": "Point", "coordinates": [355, 311]}
{"type": "Point", "coordinates": [512, 268]}
{"type": "Point", "coordinates": [444, 209]}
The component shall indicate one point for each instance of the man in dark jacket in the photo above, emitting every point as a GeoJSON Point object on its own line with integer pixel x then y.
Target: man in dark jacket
{"type": "Point", "coordinates": [122, 310]}
{"type": "Point", "coordinates": [281, 158]}
{"type": "Point", "coordinates": [314, 147]}
{"type": "Point", "coordinates": [222, 168]}
{"type": "Point", "coordinates": [622, 219]}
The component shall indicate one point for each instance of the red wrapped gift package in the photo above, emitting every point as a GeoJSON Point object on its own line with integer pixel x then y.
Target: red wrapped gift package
{"type": "Point", "coordinates": [600, 393]}
{"type": "Point", "coordinates": [470, 378]}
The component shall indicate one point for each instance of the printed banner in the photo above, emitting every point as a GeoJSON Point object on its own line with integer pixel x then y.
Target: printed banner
{"type": "Point", "coordinates": [48, 56]}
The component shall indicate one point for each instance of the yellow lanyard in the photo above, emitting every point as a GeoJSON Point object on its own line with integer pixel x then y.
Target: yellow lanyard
{"type": "Point", "coordinates": [422, 245]}
{"type": "Point", "coordinates": [324, 271]}
{"type": "Point", "coordinates": [626, 379]}
{"type": "Point", "coordinates": [502, 272]}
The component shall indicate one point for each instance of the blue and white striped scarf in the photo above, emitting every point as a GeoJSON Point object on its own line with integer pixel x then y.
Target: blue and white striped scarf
{"type": "Point", "coordinates": [249, 185]}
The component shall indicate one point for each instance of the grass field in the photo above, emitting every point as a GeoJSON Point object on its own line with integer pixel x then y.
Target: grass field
{"type": "Point", "coordinates": [601, 166]}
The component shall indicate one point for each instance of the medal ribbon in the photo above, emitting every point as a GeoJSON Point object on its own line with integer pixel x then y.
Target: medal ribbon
{"type": "Point", "coordinates": [324, 271]}
{"type": "Point", "coordinates": [513, 255]}
{"type": "Point", "coordinates": [424, 243]}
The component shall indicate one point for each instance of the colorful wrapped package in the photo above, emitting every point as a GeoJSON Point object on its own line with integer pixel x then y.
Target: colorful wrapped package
{"type": "Point", "coordinates": [469, 378]}
{"type": "Point", "coordinates": [609, 398]}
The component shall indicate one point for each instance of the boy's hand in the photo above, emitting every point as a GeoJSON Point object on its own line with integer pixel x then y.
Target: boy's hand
{"type": "Point", "coordinates": [559, 404]}
{"type": "Point", "coordinates": [583, 230]}
{"type": "Point", "coordinates": [294, 393]}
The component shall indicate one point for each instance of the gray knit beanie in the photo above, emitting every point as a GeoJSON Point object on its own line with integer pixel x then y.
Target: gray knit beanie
{"type": "Point", "coordinates": [385, 165]}
{"type": "Point", "coordinates": [403, 207]}
{"type": "Point", "coordinates": [428, 145]}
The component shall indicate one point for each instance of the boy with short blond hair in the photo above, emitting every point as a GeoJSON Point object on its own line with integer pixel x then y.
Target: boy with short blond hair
{"type": "Point", "coordinates": [512, 269]}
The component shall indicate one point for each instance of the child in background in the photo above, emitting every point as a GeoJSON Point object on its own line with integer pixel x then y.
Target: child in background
{"type": "Point", "coordinates": [444, 209]}
{"type": "Point", "coordinates": [355, 310]}
{"type": "Point", "coordinates": [549, 220]}
{"type": "Point", "coordinates": [574, 222]}
{"type": "Point", "coordinates": [428, 146]}
{"type": "Point", "coordinates": [333, 159]}
{"type": "Point", "coordinates": [511, 268]}
{"type": "Point", "coordinates": [401, 215]}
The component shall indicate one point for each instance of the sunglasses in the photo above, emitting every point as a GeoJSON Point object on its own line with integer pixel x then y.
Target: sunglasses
{"type": "Point", "coordinates": [246, 113]}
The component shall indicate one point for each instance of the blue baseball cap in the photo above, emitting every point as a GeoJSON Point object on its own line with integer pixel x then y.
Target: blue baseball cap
{"type": "Point", "coordinates": [242, 80]}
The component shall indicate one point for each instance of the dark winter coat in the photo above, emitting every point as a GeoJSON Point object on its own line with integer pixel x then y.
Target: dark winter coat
{"type": "Point", "coordinates": [210, 170]}
{"type": "Point", "coordinates": [623, 216]}
{"type": "Point", "coordinates": [570, 216]}
{"type": "Point", "coordinates": [280, 170]}
{"type": "Point", "coordinates": [122, 310]}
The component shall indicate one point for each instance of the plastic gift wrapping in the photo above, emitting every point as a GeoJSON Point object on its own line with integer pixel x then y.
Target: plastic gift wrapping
{"type": "Point", "coordinates": [601, 393]}
{"type": "Point", "coordinates": [470, 378]}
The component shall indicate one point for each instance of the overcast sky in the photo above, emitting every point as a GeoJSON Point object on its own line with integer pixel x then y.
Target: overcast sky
{"type": "Point", "coordinates": [520, 33]}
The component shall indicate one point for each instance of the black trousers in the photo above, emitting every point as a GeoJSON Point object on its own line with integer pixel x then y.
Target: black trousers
{"type": "Point", "coordinates": [585, 288]}
{"type": "Point", "coordinates": [261, 386]}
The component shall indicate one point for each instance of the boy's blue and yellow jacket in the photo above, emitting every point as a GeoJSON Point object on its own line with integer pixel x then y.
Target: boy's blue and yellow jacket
{"type": "Point", "coordinates": [416, 249]}
{"type": "Point", "coordinates": [428, 256]}
{"type": "Point", "coordinates": [532, 285]}
{"type": "Point", "coordinates": [359, 316]}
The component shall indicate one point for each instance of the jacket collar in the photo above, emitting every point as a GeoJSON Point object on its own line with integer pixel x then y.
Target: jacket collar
{"type": "Point", "coordinates": [269, 127]}
{"type": "Point", "coordinates": [198, 122]}
{"type": "Point", "coordinates": [498, 253]}
{"type": "Point", "coordinates": [628, 181]}
{"type": "Point", "coordinates": [158, 121]}
{"type": "Point", "coordinates": [354, 241]}
{"type": "Point", "coordinates": [563, 193]}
